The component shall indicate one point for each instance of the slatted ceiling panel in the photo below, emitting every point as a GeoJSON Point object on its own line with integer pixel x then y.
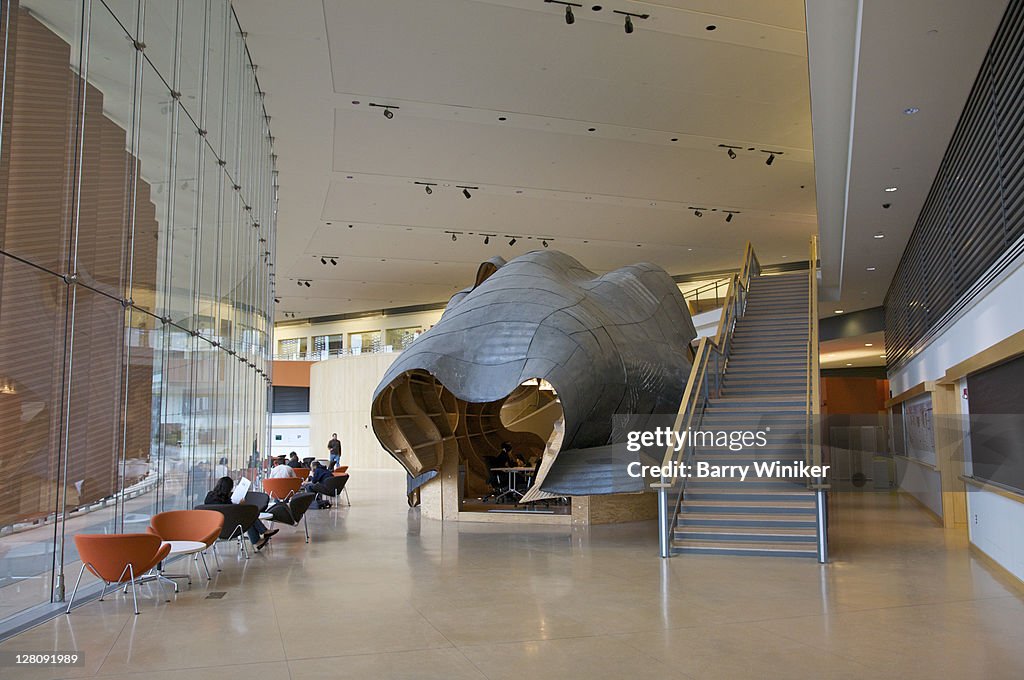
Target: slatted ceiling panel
{"type": "Point", "coordinates": [971, 225]}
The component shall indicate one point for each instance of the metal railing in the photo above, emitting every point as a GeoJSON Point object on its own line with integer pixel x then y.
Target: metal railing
{"type": "Point", "coordinates": [328, 354]}
{"type": "Point", "coordinates": [713, 291]}
{"type": "Point", "coordinates": [812, 454]}
{"type": "Point", "coordinates": [704, 384]}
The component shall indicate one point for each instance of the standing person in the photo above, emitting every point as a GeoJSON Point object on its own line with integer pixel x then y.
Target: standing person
{"type": "Point", "coordinates": [293, 460]}
{"type": "Point", "coordinates": [334, 448]}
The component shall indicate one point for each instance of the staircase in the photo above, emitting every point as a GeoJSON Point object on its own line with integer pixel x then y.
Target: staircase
{"type": "Point", "coordinates": [764, 387]}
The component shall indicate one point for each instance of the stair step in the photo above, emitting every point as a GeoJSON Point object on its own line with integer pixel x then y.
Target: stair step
{"type": "Point", "coordinates": [731, 494]}
{"type": "Point", "coordinates": [731, 519]}
{"type": "Point", "coordinates": [751, 548]}
{"type": "Point", "coordinates": [734, 506]}
{"type": "Point", "coordinates": [748, 534]}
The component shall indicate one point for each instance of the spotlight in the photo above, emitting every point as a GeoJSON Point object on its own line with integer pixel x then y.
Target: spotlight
{"type": "Point", "coordinates": [323, 260]}
{"type": "Point", "coordinates": [629, 24]}
{"type": "Point", "coordinates": [334, 262]}
{"type": "Point", "coordinates": [728, 217]}
{"type": "Point", "coordinates": [465, 192]}
{"type": "Point", "coordinates": [428, 189]}
{"type": "Point", "coordinates": [732, 154]}
{"type": "Point", "coordinates": [487, 240]}
{"type": "Point", "coordinates": [698, 213]}
{"type": "Point", "coordinates": [454, 237]}
{"type": "Point", "coordinates": [277, 300]}
{"type": "Point", "coordinates": [299, 284]}
{"type": "Point", "coordinates": [512, 242]}
{"type": "Point", "coordinates": [544, 243]}
{"type": "Point", "coordinates": [771, 159]}
{"type": "Point", "coordinates": [388, 113]}
{"type": "Point", "coordinates": [569, 18]}
{"type": "Point", "coordinates": [307, 284]}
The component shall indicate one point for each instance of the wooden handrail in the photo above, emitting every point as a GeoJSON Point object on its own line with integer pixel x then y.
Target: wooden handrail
{"type": "Point", "coordinates": [709, 363]}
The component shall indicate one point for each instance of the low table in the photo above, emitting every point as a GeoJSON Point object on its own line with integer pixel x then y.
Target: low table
{"type": "Point", "coordinates": [178, 549]}
{"type": "Point", "coordinates": [512, 472]}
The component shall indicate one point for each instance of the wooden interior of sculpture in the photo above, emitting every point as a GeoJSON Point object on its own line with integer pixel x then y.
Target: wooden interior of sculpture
{"type": "Point", "coordinates": [420, 422]}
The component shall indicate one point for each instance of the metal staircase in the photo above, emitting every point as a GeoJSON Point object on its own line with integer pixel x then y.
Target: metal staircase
{"type": "Point", "coordinates": [759, 373]}
{"type": "Point", "coordinates": [762, 389]}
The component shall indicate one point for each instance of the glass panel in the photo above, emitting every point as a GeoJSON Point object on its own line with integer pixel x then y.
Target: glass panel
{"type": "Point", "coordinates": [190, 55]}
{"type": "Point", "coordinates": [153, 413]}
{"type": "Point", "coordinates": [32, 308]}
{"type": "Point", "coordinates": [367, 341]}
{"type": "Point", "coordinates": [183, 220]}
{"type": "Point", "coordinates": [104, 212]}
{"type": "Point", "coordinates": [126, 12]}
{"type": "Point", "coordinates": [326, 345]}
{"type": "Point", "coordinates": [400, 338]}
{"type": "Point", "coordinates": [292, 347]}
{"type": "Point", "coordinates": [159, 35]}
{"type": "Point", "coordinates": [216, 61]}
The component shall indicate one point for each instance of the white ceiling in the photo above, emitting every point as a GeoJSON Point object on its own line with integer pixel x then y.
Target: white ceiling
{"type": "Point", "coordinates": [620, 193]}
{"type": "Point", "coordinates": [914, 53]}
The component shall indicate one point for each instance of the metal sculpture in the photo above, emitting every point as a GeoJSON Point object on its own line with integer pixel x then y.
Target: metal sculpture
{"type": "Point", "coordinates": [542, 353]}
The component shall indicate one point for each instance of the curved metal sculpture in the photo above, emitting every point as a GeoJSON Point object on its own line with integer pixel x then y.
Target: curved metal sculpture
{"type": "Point", "coordinates": [543, 353]}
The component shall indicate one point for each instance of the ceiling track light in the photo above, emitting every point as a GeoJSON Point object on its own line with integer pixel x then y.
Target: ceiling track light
{"type": "Point", "coordinates": [570, 18]}
{"type": "Point", "coordinates": [334, 261]}
{"type": "Point", "coordinates": [512, 241]}
{"type": "Point", "coordinates": [427, 186]}
{"type": "Point", "coordinates": [465, 190]}
{"type": "Point", "coordinates": [389, 109]}
{"type": "Point", "coordinates": [771, 156]}
{"type": "Point", "coordinates": [487, 240]}
{"type": "Point", "coordinates": [628, 26]}
{"type": "Point", "coordinates": [323, 260]}
{"type": "Point", "coordinates": [455, 234]}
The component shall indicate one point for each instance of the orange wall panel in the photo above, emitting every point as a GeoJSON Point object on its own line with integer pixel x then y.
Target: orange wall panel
{"type": "Point", "coordinates": [291, 373]}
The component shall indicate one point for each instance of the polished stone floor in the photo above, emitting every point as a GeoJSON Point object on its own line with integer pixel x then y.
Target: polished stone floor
{"type": "Point", "coordinates": [378, 593]}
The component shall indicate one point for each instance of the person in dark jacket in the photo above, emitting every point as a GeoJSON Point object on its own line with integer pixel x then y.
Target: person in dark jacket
{"type": "Point", "coordinates": [221, 495]}
{"type": "Point", "coordinates": [317, 476]}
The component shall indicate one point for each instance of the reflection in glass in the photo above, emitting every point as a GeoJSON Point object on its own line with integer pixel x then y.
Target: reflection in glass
{"type": "Point", "coordinates": [137, 204]}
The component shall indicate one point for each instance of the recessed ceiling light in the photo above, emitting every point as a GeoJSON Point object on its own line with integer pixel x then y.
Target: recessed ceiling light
{"type": "Point", "coordinates": [881, 356]}
{"type": "Point", "coordinates": [870, 269]}
{"type": "Point", "coordinates": [710, 27]}
{"type": "Point", "coordinates": [869, 344]}
{"type": "Point", "coordinates": [675, 139]}
{"type": "Point", "coordinates": [891, 189]}
{"type": "Point", "coordinates": [911, 110]}
{"type": "Point", "coordinates": [838, 311]}
{"type": "Point", "coordinates": [879, 235]}
{"type": "Point", "coordinates": [591, 129]}
{"type": "Point", "coordinates": [849, 364]}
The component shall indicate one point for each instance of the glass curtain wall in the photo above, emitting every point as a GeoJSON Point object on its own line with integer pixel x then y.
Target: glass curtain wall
{"type": "Point", "coordinates": [137, 215]}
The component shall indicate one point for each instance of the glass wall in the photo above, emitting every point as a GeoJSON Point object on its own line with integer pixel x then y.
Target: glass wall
{"type": "Point", "coordinates": [137, 214]}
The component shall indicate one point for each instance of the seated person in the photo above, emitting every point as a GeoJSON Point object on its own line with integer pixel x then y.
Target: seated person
{"type": "Point", "coordinates": [315, 483]}
{"type": "Point", "coordinates": [281, 469]}
{"type": "Point", "coordinates": [221, 495]}
{"type": "Point", "coordinates": [293, 460]}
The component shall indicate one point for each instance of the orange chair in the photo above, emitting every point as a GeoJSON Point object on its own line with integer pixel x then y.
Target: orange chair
{"type": "Point", "coordinates": [301, 473]}
{"type": "Point", "coordinates": [281, 488]}
{"type": "Point", "coordinates": [340, 470]}
{"type": "Point", "coordinates": [117, 559]}
{"type": "Point", "coordinates": [203, 526]}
